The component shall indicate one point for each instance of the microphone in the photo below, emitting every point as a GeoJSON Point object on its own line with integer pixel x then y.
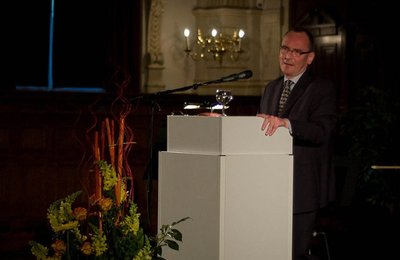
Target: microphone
{"type": "Point", "coordinates": [241, 75]}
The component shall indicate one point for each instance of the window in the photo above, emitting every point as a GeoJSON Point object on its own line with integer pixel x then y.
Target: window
{"type": "Point", "coordinates": [81, 48]}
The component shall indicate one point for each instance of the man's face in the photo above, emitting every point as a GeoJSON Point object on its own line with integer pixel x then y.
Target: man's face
{"type": "Point", "coordinates": [295, 55]}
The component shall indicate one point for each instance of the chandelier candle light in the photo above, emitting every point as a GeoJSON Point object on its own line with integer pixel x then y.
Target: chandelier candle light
{"type": "Point", "coordinates": [215, 45]}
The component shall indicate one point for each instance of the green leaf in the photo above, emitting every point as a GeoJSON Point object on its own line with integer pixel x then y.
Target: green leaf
{"type": "Point", "coordinates": [172, 244]}
{"type": "Point", "coordinates": [164, 228]}
{"type": "Point", "coordinates": [179, 221]}
{"type": "Point", "coordinates": [176, 234]}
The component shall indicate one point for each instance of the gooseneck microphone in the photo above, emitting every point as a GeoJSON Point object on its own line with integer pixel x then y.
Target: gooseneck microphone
{"type": "Point", "coordinates": [241, 75]}
{"type": "Point", "coordinates": [237, 76]}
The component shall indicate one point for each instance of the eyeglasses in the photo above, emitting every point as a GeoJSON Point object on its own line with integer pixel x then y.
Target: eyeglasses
{"type": "Point", "coordinates": [295, 52]}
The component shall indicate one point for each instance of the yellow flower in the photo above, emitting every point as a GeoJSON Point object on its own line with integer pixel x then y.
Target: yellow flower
{"type": "Point", "coordinates": [86, 248]}
{"type": "Point", "coordinates": [131, 222]}
{"type": "Point", "coordinates": [99, 243]}
{"type": "Point", "coordinates": [80, 213]}
{"type": "Point", "coordinates": [105, 204]}
{"type": "Point", "coordinates": [144, 253]}
{"type": "Point", "coordinates": [109, 175]}
{"type": "Point", "coordinates": [66, 226]}
{"type": "Point", "coordinates": [59, 247]}
{"type": "Point", "coordinates": [123, 192]}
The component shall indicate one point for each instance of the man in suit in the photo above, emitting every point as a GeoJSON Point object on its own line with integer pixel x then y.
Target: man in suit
{"type": "Point", "coordinates": [309, 113]}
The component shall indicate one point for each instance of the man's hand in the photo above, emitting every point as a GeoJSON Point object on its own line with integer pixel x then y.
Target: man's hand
{"type": "Point", "coordinates": [271, 123]}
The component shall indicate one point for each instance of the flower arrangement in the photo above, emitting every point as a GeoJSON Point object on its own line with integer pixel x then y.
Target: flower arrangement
{"type": "Point", "coordinates": [103, 233]}
{"type": "Point", "coordinates": [109, 226]}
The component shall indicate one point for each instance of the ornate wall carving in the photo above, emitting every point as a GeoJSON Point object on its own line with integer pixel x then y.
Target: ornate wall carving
{"type": "Point", "coordinates": [155, 55]}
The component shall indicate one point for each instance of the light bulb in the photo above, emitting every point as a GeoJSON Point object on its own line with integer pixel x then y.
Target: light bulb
{"type": "Point", "coordinates": [186, 32]}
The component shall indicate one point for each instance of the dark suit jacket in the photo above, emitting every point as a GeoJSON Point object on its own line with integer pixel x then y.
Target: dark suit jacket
{"type": "Point", "coordinates": [311, 109]}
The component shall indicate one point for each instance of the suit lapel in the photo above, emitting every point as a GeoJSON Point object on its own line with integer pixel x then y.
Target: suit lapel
{"type": "Point", "coordinates": [297, 92]}
{"type": "Point", "coordinates": [277, 96]}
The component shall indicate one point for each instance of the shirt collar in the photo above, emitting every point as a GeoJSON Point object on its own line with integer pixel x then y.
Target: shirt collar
{"type": "Point", "coordinates": [294, 79]}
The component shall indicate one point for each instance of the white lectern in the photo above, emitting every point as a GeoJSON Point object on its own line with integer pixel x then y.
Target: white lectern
{"type": "Point", "coordinates": [233, 182]}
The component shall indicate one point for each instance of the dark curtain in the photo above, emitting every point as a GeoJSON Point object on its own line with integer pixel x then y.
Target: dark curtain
{"type": "Point", "coordinates": [124, 51]}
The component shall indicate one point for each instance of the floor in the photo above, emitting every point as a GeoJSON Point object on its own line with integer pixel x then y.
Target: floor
{"type": "Point", "coordinates": [358, 232]}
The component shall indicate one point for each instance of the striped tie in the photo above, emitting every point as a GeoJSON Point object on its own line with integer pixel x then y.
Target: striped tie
{"type": "Point", "coordinates": [284, 96]}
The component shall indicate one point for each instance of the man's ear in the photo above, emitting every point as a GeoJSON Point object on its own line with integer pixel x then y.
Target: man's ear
{"type": "Point", "coordinates": [310, 58]}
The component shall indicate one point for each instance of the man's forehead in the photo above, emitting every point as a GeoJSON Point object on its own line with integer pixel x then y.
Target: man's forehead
{"type": "Point", "coordinates": [295, 38]}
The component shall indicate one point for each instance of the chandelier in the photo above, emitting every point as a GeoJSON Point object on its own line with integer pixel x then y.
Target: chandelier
{"type": "Point", "coordinates": [218, 45]}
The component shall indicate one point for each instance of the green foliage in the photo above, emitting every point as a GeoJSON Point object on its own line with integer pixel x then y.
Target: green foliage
{"type": "Point", "coordinates": [167, 237]}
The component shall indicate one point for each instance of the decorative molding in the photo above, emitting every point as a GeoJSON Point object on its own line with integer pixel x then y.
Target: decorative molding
{"type": "Point", "coordinates": [154, 33]}
{"type": "Point", "coordinates": [156, 57]}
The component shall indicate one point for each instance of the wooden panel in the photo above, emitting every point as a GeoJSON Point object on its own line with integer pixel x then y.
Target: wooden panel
{"type": "Point", "coordinates": [4, 138]}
